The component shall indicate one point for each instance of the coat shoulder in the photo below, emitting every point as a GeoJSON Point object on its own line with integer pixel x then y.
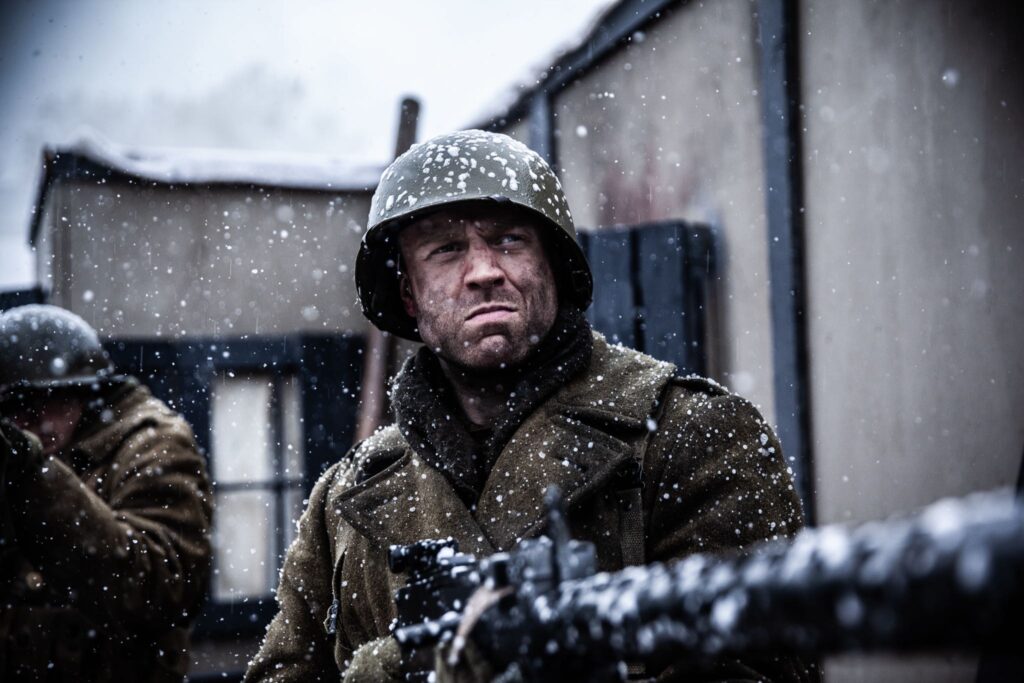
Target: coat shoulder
{"type": "Point", "coordinates": [131, 420]}
{"type": "Point", "coordinates": [366, 458]}
{"type": "Point", "coordinates": [147, 409]}
{"type": "Point", "coordinates": [622, 362]}
{"type": "Point", "coordinates": [696, 384]}
{"type": "Point", "coordinates": [620, 379]}
{"type": "Point", "coordinates": [695, 404]}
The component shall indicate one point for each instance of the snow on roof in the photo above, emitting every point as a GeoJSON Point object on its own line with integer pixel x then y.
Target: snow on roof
{"type": "Point", "coordinates": [222, 166]}
{"type": "Point", "coordinates": [91, 156]}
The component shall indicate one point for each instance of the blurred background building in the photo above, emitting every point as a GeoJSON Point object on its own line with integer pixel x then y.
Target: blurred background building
{"type": "Point", "coordinates": [816, 203]}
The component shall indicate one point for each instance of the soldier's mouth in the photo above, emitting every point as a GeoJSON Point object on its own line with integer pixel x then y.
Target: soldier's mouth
{"type": "Point", "coordinates": [490, 312]}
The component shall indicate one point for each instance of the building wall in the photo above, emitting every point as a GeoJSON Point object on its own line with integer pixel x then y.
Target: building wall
{"type": "Point", "coordinates": [670, 128]}
{"type": "Point", "coordinates": [914, 192]}
{"type": "Point", "coordinates": [44, 248]}
{"type": "Point", "coordinates": [520, 130]}
{"type": "Point", "coordinates": [191, 261]}
{"type": "Point", "coordinates": [913, 158]}
{"type": "Point", "coordinates": [913, 164]}
{"type": "Point", "coordinates": [914, 186]}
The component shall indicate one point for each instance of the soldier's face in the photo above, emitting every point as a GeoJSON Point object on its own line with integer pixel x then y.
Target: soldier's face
{"type": "Point", "coordinates": [479, 285]}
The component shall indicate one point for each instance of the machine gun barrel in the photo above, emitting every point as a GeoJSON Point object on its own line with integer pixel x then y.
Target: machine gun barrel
{"type": "Point", "coordinates": [948, 579]}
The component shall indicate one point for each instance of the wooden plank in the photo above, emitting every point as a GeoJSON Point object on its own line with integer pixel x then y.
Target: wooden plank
{"type": "Point", "coordinates": [698, 269]}
{"type": "Point", "coordinates": [613, 312]}
{"type": "Point", "coordinates": [661, 275]}
{"type": "Point", "coordinates": [330, 379]}
{"type": "Point", "coordinates": [380, 347]}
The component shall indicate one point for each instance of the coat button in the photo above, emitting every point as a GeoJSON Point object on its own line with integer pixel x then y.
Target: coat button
{"type": "Point", "coordinates": [34, 580]}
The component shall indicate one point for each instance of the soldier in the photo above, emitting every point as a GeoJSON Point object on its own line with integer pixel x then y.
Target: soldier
{"type": "Point", "coordinates": [471, 249]}
{"type": "Point", "coordinates": [106, 512]}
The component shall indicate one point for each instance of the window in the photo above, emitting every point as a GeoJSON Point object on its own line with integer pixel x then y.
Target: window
{"type": "Point", "coordinates": [257, 467]}
{"type": "Point", "coordinates": [271, 413]}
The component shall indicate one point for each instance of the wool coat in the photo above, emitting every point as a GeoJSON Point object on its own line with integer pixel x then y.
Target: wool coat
{"type": "Point", "coordinates": [106, 549]}
{"type": "Point", "coordinates": [713, 480]}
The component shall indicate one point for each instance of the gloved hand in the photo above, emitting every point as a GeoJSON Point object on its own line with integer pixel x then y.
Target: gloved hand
{"type": "Point", "coordinates": [461, 661]}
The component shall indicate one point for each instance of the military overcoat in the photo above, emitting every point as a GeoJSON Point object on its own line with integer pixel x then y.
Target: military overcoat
{"type": "Point", "coordinates": [713, 479]}
{"type": "Point", "coordinates": [106, 550]}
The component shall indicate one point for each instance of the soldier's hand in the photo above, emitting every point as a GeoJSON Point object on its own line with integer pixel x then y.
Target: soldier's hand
{"type": "Point", "coordinates": [17, 447]}
{"type": "Point", "coordinates": [461, 661]}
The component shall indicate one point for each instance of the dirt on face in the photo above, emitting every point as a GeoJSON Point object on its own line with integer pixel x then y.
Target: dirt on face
{"type": "Point", "coordinates": [479, 284]}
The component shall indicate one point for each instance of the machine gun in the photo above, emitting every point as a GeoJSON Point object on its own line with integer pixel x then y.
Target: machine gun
{"type": "Point", "coordinates": [948, 579]}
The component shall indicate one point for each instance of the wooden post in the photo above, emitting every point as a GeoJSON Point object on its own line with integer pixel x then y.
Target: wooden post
{"type": "Point", "coordinates": [380, 346]}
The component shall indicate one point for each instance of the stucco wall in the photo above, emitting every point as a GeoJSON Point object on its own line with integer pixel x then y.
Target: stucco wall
{"type": "Point", "coordinates": [670, 128]}
{"type": "Point", "coordinates": [914, 182]}
{"type": "Point", "coordinates": [160, 262]}
{"type": "Point", "coordinates": [914, 194]}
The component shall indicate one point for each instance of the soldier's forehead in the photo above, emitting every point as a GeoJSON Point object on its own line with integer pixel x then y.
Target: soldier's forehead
{"type": "Point", "coordinates": [457, 219]}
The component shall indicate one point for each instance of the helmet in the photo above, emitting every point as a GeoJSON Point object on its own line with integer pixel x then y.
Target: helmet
{"type": "Point", "coordinates": [46, 347]}
{"type": "Point", "coordinates": [460, 168]}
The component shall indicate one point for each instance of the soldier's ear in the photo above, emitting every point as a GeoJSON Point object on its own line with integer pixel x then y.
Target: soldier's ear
{"type": "Point", "coordinates": [408, 300]}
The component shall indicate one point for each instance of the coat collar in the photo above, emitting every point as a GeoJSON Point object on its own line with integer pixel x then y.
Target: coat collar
{"type": "Point", "coordinates": [576, 440]}
{"type": "Point", "coordinates": [407, 502]}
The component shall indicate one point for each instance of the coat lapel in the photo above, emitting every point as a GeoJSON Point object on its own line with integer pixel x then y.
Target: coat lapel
{"type": "Point", "coordinates": [576, 441]}
{"type": "Point", "coordinates": [407, 502]}
{"type": "Point", "coordinates": [552, 447]}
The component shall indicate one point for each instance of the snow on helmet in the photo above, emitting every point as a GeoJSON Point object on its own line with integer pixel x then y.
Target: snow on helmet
{"type": "Point", "coordinates": [460, 168]}
{"type": "Point", "coordinates": [47, 347]}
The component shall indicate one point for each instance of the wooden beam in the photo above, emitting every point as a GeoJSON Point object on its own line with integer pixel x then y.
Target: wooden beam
{"type": "Point", "coordinates": [380, 346]}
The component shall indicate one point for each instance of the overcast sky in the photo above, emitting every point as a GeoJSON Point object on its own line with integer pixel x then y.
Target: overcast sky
{"type": "Point", "coordinates": [309, 77]}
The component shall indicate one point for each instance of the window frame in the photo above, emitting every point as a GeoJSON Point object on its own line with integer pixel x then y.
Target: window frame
{"type": "Point", "coordinates": [278, 483]}
{"type": "Point", "coordinates": [182, 372]}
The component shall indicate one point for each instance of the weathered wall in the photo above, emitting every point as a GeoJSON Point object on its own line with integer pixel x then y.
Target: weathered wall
{"type": "Point", "coordinates": [670, 128]}
{"type": "Point", "coordinates": [160, 262]}
{"type": "Point", "coordinates": [914, 193]}
{"type": "Point", "coordinates": [913, 154]}
{"type": "Point", "coordinates": [914, 180]}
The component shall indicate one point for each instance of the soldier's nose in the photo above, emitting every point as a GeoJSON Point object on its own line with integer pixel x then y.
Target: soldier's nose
{"type": "Point", "coordinates": [483, 271]}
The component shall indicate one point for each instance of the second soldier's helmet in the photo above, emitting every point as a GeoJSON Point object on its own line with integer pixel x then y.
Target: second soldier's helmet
{"type": "Point", "coordinates": [470, 166]}
{"type": "Point", "coordinates": [44, 347]}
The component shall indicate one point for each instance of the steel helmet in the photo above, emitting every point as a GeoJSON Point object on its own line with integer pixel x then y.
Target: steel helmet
{"type": "Point", "coordinates": [46, 347]}
{"type": "Point", "coordinates": [460, 168]}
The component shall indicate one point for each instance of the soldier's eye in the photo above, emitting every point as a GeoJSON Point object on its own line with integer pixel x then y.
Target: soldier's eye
{"type": "Point", "coordinates": [448, 248]}
{"type": "Point", "coordinates": [510, 238]}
